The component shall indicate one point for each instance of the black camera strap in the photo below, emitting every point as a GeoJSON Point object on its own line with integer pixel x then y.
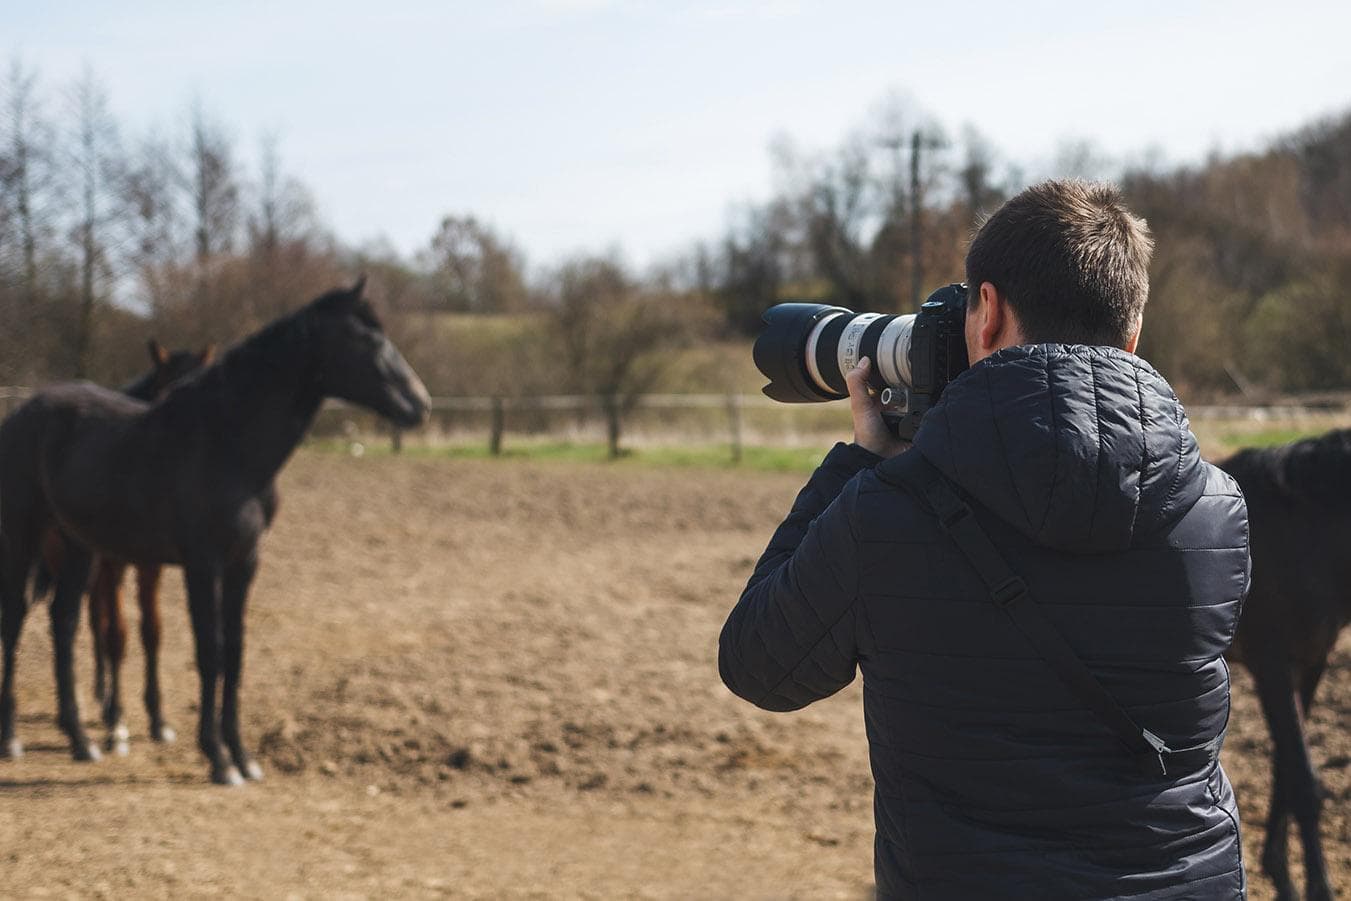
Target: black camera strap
{"type": "Point", "coordinates": [1011, 595]}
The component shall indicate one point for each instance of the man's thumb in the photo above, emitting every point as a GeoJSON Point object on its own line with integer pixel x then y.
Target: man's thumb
{"type": "Point", "coordinates": [860, 401]}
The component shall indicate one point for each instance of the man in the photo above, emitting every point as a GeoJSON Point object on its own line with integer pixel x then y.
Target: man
{"type": "Point", "coordinates": [996, 775]}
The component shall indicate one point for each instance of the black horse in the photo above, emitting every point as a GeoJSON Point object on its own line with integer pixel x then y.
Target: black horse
{"type": "Point", "coordinates": [1299, 507]}
{"type": "Point", "coordinates": [181, 482]}
{"type": "Point", "coordinates": [107, 625]}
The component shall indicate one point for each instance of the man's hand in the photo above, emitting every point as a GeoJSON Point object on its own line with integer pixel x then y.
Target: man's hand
{"type": "Point", "coordinates": [870, 430]}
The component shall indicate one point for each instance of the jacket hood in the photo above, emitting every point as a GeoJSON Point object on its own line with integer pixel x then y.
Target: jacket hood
{"type": "Point", "coordinates": [1079, 448]}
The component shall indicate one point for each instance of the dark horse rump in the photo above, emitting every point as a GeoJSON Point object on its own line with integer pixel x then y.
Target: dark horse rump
{"type": "Point", "coordinates": [183, 481]}
{"type": "Point", "coordinates": [106, 622]}
{"type": "Point", "coordinates": [1299, 507]}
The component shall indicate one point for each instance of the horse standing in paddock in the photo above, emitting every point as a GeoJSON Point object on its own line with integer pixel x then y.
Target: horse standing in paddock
{"type": "Point", "coordinates": [106, 623]}
{"type": "Point", "coordinates": [1299, 507]}
{"type": "Point", "coordinates": [184, 481]}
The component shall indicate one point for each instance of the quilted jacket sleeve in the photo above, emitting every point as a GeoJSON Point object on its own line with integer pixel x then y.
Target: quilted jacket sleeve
{"type": "Point", "coordinates": [790, 639]}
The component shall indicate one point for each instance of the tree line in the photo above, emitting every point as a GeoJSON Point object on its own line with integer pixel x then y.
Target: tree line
{"type": "Point", "coordinates": [1251, 249]}
{"type": "Point", "coordinates": [108, 237]}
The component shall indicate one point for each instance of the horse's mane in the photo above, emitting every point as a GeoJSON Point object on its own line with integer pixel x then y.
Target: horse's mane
{"type": "Point", "coordinates": [262, 353]}
{"type": "Point", "coordinates": [273, 350]}
{"type": "Point", "coordinates": [275, 347]}
{"type": "Point", "coordinates": [1314, 471]}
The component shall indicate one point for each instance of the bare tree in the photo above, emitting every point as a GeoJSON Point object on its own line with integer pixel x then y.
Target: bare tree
{"type": "Point", "coordinates": [1323, 151]}
{"type": "Point", "coordinates": [906, 240]}
{"type": "Point", "coordinates": [152, 220]}
{"type": "Point", "coordinates": [213, 186]}
{"type": "Point", "coordinates": [473, 270]}
{"type": "Point", "coordinates": [97, 161]}
{"type": "Point", "coordinates": [28, 172]}
{"type": "Point", "coordinates": [838, 207]}
{"type": "Point", "coordinates": [282, 210]}
{"type": "Point", "coordinates": [612, 336]}
{"type": "Point", "coordinates": [753, 268]}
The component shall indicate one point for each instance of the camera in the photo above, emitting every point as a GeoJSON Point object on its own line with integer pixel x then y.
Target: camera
{"type": "Point", "coordinates": [806, 349]}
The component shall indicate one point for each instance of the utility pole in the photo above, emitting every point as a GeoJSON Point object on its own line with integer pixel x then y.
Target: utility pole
{"type": "Point", "coordinates": [916, 229]}
{"type": "Point", "coordinates": [919, 142]}
{"type": "Point", "coordinates": [895, 142]}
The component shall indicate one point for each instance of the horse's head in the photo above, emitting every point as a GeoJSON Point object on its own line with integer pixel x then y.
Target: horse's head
{"type": "Point", "coordinates": [169, 368]}
{"type": "Point", "coordinates": [356, 361]}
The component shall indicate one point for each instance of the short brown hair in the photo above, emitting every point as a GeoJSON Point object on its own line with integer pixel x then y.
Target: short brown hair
{"type": "Point", "coordinates": [1070, 259]}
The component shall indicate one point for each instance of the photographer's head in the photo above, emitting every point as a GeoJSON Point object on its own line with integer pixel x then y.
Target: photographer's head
{"type": "Point", "coordinates": [1063, 262]}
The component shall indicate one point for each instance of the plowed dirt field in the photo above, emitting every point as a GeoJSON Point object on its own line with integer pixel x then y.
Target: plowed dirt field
{"type": "Point", "coordinates": [498, 679]}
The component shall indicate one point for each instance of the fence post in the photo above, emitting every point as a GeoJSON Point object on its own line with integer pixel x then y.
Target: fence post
{"type": "Point", "coordinates": [498, 426]}
{"type": "Point", "coordinates": [398, 440]}
{"type": "Point", "coordinates": [734, 420]}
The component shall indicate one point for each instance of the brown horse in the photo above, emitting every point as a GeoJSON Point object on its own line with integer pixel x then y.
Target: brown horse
{"type": "Point", "coordinates": [107, 625]}
{"type": "Point", "coordinates": [185, 481]}
{"type": "Point", "coordinates": [1299, 507]}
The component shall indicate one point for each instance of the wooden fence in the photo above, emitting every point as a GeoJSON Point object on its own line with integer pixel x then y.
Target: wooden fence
{"type": "Point", "coordinates": [728, 409]}
{"type": "Point", "coordinates": [726, 414]}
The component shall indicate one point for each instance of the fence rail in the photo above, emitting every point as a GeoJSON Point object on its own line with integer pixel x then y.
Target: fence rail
{"type": "Point", "coordinates": [466, 414]}
{"type": "Point", "coordinates": [1291, 406]}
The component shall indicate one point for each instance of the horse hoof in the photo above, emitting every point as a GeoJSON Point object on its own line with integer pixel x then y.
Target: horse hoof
{"type": "Point", "coordinates": [227, 776]}
{"type": "Point", "coordinates": [252, 771]}
{"type": "Point", "coordinates": [87, 752]}
{"type": "Point", "coordinates": [1286, 892]}
{"type": "Point", "coordinates": [12, 749]}
{"type": "Point", "coordinates": [118, 746]}
{"type": "Point", "coordinates": [163, 734]}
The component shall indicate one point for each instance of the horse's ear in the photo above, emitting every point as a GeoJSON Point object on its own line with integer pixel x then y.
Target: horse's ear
{"type": "Point", "coordinates": [158, 355]}
{"type": "Point", "coordinates": [208, 354]}
{"type": "Point", "coordinates": [359, 286]}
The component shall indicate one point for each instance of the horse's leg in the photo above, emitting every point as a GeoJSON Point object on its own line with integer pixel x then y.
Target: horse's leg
{"type": "Point", "coordinates": [234, 595]}
{"type": "Point", "coordinates": [1308, 688]}
{"type": "Point", "coordinates": [1294, 786]}
{"type": "Point", "coordinates": [65, 616]}
{"type": "Point", "coordinates": [98, 629]}
{"type": "Point", "coordinates": [52, 553]}
{"type": "Point", "coordinates": [15, 561]}
{"type": "Point", "coordinates": [1316, 882]}
{"type": "Point", "coordinates": [203, 581]}
{"type": "Point", "coordinates": [1275, 849]}
{"type": "Point", "coordinates": [108, 590]}
{"type": "Point", "coordinates": [147, 595]}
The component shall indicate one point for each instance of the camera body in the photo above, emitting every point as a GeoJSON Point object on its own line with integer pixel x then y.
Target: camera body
{"type": "Point", "coordinates": [806, 349]}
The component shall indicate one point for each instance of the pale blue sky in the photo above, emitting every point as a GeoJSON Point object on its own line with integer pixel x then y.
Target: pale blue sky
{"type": "Point", "coordinates": [587, 124]}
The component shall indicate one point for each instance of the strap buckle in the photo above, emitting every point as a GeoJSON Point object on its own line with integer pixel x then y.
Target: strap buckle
{"type": "Point", "coordinates": [1009, 591]}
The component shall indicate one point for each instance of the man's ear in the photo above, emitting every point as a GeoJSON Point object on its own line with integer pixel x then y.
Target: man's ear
{"type": "Point", "coordinates": [1134, 339]}
{"type": "Point", "coordinates": [207, 355]}
{"type": "Point", "coordinates": [994, 313]}
{"type": "Point", "coordinates": [158, 355]}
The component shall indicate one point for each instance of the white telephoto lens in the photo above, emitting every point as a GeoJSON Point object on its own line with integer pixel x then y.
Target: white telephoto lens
{"type": "Point", "coordinates": [812, 369]}
{"type": "Point", "coordinates": [893, 351]}
{"type": "Point", "coordinates": [852, 338]}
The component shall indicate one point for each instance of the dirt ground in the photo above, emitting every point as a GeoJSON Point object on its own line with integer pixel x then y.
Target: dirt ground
{"type": "Point", "coordinates": [498, 679]}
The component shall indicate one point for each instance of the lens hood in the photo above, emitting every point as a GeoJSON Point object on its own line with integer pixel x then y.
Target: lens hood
{"type": "Point", "coordinates": [780, 351]}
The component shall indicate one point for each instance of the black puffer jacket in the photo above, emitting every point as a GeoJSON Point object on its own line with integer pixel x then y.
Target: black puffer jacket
{"type": "Point", "coordinates": [991, 780]}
